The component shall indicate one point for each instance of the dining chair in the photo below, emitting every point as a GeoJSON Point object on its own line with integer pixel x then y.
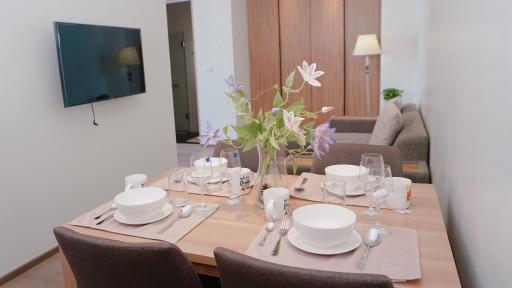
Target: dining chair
{"type": "Point", "coordinates": [105, 263]}
{"type": "Point", "coordinates": [350, 153]}
{"type": "Point", "coordinates": [237, 270]}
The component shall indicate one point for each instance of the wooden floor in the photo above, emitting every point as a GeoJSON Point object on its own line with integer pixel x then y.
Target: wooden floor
{"type": "Point", "coordinates": [48, 274]}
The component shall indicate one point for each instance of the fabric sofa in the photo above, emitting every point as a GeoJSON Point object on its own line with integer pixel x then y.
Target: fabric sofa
{"type": "Point", "coordinates": [412, 139]}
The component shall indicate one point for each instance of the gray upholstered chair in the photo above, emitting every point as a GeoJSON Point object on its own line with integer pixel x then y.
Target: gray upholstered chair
{"type": "Point", "coordinates": [241, 271]}
{"type": "Point", "coordinates": [98, 262]}
{"type": "Point", "coordinates": [349, 153]}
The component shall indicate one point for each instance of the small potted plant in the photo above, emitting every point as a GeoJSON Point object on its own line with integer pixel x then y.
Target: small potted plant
{"type": "Point", "coordinates": [393, 95]}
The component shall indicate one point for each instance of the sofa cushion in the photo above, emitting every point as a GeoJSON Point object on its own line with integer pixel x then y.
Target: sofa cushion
{"type": "Point", "coordinates": [359, 138]}
{"type": "Point", "coordinates": [387, 126]}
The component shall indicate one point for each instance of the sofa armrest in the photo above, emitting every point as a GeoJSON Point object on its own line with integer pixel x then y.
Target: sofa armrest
{"type": "Point", "coordinates": [352, 124]}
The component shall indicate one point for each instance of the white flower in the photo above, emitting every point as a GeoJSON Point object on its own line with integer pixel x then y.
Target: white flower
{"type": "Point", "coordinates": [309, 74]}
{"type": "Point", "coordinates": [327, 109]}
{"type": "Point", "coordinates": [292, 123]}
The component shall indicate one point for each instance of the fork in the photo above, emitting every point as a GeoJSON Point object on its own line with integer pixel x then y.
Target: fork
{"type": "Point", "coordinates": [285, 226]}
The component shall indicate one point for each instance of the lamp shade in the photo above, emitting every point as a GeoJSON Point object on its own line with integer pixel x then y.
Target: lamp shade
{"type": "Point", "coordinates": [128, 56]}
{"type": "Point", "coordinates": [367, 45]}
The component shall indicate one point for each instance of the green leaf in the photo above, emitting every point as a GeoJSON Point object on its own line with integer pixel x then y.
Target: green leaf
{"type": "Point", "coordinates": [289, 81]}
{"type": "Point", "coordinates": [274, 143]}
{"type": "Point", "coordinates": [278, 100]}
{"type": "Point", "coordinates": [225, 130]}
{"type": "Point", "coordinates": [295, 166]}
{"type": "Point", "coordinates": [296, 106]}
{"type": "Point", "coordinates": [251, 143]}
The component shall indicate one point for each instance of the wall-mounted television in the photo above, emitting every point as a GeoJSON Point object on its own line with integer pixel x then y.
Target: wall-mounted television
{"type": "Point", "coordinates": [98, 62]}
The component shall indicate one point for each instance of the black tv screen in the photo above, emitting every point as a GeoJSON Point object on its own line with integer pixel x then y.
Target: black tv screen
{"type": "Point", "coordinates": [98, 62]}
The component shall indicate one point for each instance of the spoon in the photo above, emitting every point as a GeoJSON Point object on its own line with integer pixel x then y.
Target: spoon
{"type": "Point", "coordinates": [184, 213]}
{"type": "Point", "coordinates": [112, 207]}
{"type": "Point", "coordinates": [269, 227]}
{"type": "Point", "coordinates": [371, 239]}
{"type": "Point", "coordinates": [301, 186]}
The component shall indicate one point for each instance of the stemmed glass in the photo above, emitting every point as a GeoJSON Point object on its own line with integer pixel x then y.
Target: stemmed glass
{"type": "Point", "coordinates": [375, 180]}
{"type": "Point", "coordinates": [232, 171]}
{"type": "Point", "coordinates": [201, 174]}
{"type": "Point", "coordinates": [366, 160]}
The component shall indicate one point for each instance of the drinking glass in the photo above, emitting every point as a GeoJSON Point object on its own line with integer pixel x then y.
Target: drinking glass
{"type": "Point", "coordinates": [232, 172]}
{"type": "Point", "coordinates": [368, 159]}
{"type": "Point", "coordinates": [177, 184]}
{"type": "Point", "coordinates": [201, 174]}
{"type": "Point", "coordinates": [377, 192]}
{"type": "Point", "coordinates": [334, 191]}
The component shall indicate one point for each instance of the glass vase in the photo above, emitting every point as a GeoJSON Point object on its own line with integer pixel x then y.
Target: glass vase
{"type": "Point", "coordinates": [271, 170]}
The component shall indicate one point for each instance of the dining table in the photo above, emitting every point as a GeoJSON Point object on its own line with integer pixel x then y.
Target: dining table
{"type": "Point", "coordinates": [235, 227]}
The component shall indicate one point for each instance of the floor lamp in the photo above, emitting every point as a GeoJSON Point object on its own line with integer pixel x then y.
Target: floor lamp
{"type": "Point", "coordinates": [367, 45]}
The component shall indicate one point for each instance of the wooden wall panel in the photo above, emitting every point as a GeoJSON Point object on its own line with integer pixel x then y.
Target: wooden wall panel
{"type": "Point", "coordinates": [361, 17]}
{"type": "Point", "coordinates": [264, 51]}
{"type": "Point", "coordinates": [327, 50]}
{"type": "Point", "coordinates": [295, 25]}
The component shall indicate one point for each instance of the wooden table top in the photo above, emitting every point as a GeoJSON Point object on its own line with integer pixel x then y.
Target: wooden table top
{"type": "Point", "coordinates": [236, 227]}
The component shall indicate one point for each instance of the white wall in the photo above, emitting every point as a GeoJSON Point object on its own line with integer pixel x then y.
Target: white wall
{"type": "Point", "coordinates": [217, 31]}
{"type": "Point", "coordinates": [399, 59]}
{"type": "Point", "coordinates": [466, 102]}
{"type": "Point", "coordinates": [54, 163]}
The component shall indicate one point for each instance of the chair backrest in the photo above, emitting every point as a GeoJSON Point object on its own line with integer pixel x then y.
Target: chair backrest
{"type": "Point", "coordinates": [349, 153]}
{"type": "Point", "coordinates": [238, 270]}
{"type": "Point", "coordinates": [98, 262]}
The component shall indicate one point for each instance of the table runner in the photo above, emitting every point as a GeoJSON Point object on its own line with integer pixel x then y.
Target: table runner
{"type": "Point", "coordinates": [397, 256]}
{"type": "Point", "coordinates": [313, 192]}
{"type": "Point", "coordinates": [179, 229]}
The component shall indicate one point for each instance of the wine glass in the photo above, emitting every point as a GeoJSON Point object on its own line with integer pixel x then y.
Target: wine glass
{"type": "Point", "coordinates": [201, 174]}
{"type": "Point", "coordinates": [377, 173]}
{"type": "Point", "coordinates": [177, 185]}
{"type": "Point", "coordinates": [368, 159]}
{"type": "Point", "coordinates": [232, 171]}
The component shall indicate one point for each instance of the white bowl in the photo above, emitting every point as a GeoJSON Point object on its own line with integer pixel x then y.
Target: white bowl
{"type": "Point", "coordinates": [324, 225]}
{"type": "Point", "coordinates": [347, 173]}
{"type": "Point", "coordinates": [217, 165]}
{"type": "Point", "coordinates": [141, 203]}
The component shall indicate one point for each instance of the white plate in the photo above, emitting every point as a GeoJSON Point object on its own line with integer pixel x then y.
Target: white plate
{"type": "Point", "coordinates": [212, 181]}
{"type": "Point", "coordinates": [352, 243]}
{"type": "Point", "coordinates": [166, 211]}
{"type": "Point", "coordinates": [357, 191]}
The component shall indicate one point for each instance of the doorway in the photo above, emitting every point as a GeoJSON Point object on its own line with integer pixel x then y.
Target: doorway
{"type": "Point", "coordinates": [181, 51]}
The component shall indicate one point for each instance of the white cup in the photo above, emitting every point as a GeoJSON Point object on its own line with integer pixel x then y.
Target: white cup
{"type": "Point", "coordinates": [400, 192]}
{"type": "Point", "coordinates": [275, 201]}
{"type": "Point", "coordinates": [135, 181]}
{"type": "Point", "coordinates": [245, 178]}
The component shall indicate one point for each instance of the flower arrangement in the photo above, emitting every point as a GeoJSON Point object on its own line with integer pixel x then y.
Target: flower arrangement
{"type": "Point", "coordinates": [285, 123]}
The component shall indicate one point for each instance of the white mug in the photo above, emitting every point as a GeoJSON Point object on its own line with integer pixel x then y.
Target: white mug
{"type": "Point", "coordinates": [135, 181]}
{"type": "Point", "coordinates": [245, 178]}
{"type": "Point", "coordinates": [275, 201]}
{"type": "Point", "coordinates": [400, 190]}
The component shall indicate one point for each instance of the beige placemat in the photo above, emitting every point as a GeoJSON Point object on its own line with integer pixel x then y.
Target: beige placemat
{"type": "Point", "coordinates": [313, 192]}
{"type": "Point", "coordinates": [163, 183]}
{"type": "Point", "coordinates": [397, 256]}
{"type": "Point", "coordinates": [179, 229]}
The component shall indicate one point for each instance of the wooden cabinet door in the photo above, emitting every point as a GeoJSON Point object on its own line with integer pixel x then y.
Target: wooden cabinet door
{"type": "Point", "coordinates": [361, 17]}
{"type": "Point", "coordinates": [295, 35]}
{"type": "Point", "coordinates": [264, 51]}
{"type": "Point", "coordinates": [327, 50]}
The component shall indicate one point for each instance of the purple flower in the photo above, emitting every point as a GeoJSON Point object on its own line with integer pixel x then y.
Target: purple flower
{"type": "Point", "coordinates": [321, 138]}
{"type": "Point", "coordinates": [210, 136]}
{"type": "Point", "coordinates": [276, 110]}
{"type": "Point", "coordinates": [233, 85]}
